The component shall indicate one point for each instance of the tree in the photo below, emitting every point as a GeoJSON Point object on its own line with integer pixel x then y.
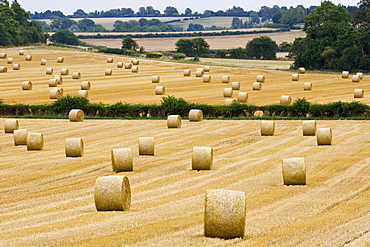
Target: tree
{"type": "Point", "coordinates": [188, 11]}
{"type": "Point", "coordinates": [129, 44]}
{"type": "Point", "coordinates": [171, 11]}
{"type": "Point", "coordinates": [192, 47]}
{"type": "Point", "coordinates": [65, 37]}
{"type": "Point", "coordinates": [362, 15]}
{"type": "Point", "coordinates": [237, 23]}
{"type": "Point", "coordinates": [261, 48]}
{"type": "Point", "coordinates": [327, 36]}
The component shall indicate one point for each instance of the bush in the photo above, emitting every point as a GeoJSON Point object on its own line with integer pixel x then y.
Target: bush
{"type": "Point", "coordinates": [178, 56]}
{"type": "Point", "coordinates": [175, 106]}
{"type": "Point", "coordinates": [301, 107]}
{"type": "Point", "coordinates": [154, 54]}
{"type": "Point", "coordinates": [67, 103]}
{"type": "Point", "coordinates": [65, 37]}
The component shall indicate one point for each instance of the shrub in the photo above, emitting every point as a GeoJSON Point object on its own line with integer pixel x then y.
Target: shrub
{"type": "Point", "coordinates": [301, 107]}
{"type": "Point", "coordinates": [178, 56]}
{"type": "Point", "coordinates": [172, 105]}
{"type": "Point", "coordinates": [154, 54]}
{"type": "Point", "coordinates": [67, 103]}
{"type": "Point", "coordinates": [65, 37]}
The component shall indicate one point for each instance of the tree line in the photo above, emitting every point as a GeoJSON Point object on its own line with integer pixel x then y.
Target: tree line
{"type": "Point", "coordinates": [265, 12]}
{"type": "Point", "coordinates": [15, 29]}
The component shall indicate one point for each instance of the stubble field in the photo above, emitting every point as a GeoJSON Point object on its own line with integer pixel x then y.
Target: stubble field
{"type": "Point", "coordinates": [48, 199]}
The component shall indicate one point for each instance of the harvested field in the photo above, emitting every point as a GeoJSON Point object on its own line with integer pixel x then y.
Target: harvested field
{"type": "Point", "coordinates": [125, 86]}
{"type": "Point", "coordinates": [215, 42]}
{"type": "Point", "coordinates": [48, 199]}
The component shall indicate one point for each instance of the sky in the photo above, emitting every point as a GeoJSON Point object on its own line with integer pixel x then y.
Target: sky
{"type": "Point", "coordinates": [70, 6]}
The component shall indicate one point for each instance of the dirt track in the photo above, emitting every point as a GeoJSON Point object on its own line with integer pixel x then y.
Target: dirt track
{"type": "Point", "coordinates": [47, 199]}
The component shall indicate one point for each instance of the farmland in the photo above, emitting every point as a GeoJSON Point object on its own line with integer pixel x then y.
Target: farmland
{"type": "Point", "coordinates": [215, 42]}
{"type": "Point", "coordinates": [48, 199]}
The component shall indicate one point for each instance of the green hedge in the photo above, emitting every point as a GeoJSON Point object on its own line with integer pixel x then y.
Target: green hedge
{"type": "Point", "coordinates": [172, 105]}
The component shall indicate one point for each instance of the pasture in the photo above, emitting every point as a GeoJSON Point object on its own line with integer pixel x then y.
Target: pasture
{"type": "Point", "coordinates": [47, 199]}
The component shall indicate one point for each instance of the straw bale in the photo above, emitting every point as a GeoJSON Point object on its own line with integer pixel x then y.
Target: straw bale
{"type": "Point", "coordinates": [324, 136]}
{"type": "Point", "coordinates": [76, 75]}
{"type": "Point", "coordinates": [10, 125]}
{"type": "Point", "coordinates": [225, 79]}
{"type": "Point", "coordinates": [122, 159]}
{"type": "Point", "coordinates": [195, 115]}
{"type": "Point", "coordinates": [26, 85]}
{"type": "Point", "coordinates": [358, 93]}
{"type": "Point", "coordinates": [206, 78]}
{"type": "Point", "coordinates": [35, 141]}
{"type": "Point", "coordinates": [309, 127]}
{"type": "Point", "coordinates": [112, 193]}
{"type": "Point", "coordinates": [225, 213]}
{"type": "Point", "coordinates": [294, 171]}
{"type": "Point", "coordinates": [76, 115]}
{"type": "Point", "coordinates": [85, 85]}
{"type": "Point", "coordinates": [155, 79]}
{"type": "Point", "coordinates": [242, 97]}
{"type": "Point", "coordinates": [174, 121]}
{"type": "Point", "coordinates": [235, 85]}
{"type": "Point", "coordinates": [20, 137]}
{"type": "Point", "coordinates": [83, 93]}
{"type": "Point", "coordinates": [285, 100]}
{"type": "Point", "coordinates": [257, 86]}
{"type": "Point", "coordinates": [159, 90]}
{"type": "Point", "coordinates": [74, 147]}
{"type": "Point", "coordinates": [261, 78]}
{"type": "Point", "coordinates": [187, 72]}
{"type": "Point", "coordinates": [267, 128]}
{"type": "Point", "coordinates": [146, 146]}
{"type": "Point", "coordinates": [202, 158]}
{"type": "Point", "coordinates": [228, 92]}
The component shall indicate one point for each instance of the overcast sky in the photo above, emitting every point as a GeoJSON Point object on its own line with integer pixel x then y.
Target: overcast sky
{"type": "Point", "coordinates": [70, 6]}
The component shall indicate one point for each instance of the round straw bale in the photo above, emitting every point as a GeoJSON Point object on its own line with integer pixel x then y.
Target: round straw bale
{"type": "Point", "coordinates": [229, 101]}
{"type": "Point", "coordinates": [64, 72]}
{"type": "Point", "coordinates": [10, 60]}
{"type": "Point", "coordinates": [120, 65]}
{"type": "Point", "coordinates": [60, 59]}
{"type": "Point", "coordinates": [76, 75]}
{"type": "Point", "coordinates": [360, 75]}
{"type": "Point", "coordinates": [225, 79]}
{"type": "Point", "coordinates": [199, 73]}
{"type": "Point", "coordinates": [258, 114]}
{"type": "Point", "coordinates": [174, 121]}
{"type": "Point", "coordinates": [109, 60]}
{"type": "Point", "coordinates": [43, 62]}
{"type": "Point", "coordinates": [257, 86]}
{"type": "Point", "coordinates": [128, 65]}
{"type": "Point", "coordinates": [146, 145]}
{"type": "Point", "coordinates": [225, 213]}
{"type": "Point", "coordinates": [355, 78]}
{"type": "Point", "coordinates": [49, 71]}
{"type": "Point", "coordinates": [10, 125]}
{"type": "Point", "coordinates": [85, 85]}
{"type": "Point", "coordinates": [3, 55]}
{"type": "Point", "coordinates": [59, 79]}
{"type": "Point", "coordinates": [323, 136]}
{"type": "Point", "coordinates": [112, 193]}
{"type": "Point", "coordinates": [309, 127]}
{"type": "Point", "coordinates": [54, 94]}
{"type": "Point", "coordinates": [74, 147]}
{"type": "Point", "coordinates": [155, 79]}
{"type": "Point", "coordinates": [345, 74]}
{"type": "Point", "coordinates": [28, 58]}
{"type": "Point", "coordinates": [294, 171]}
{"type": "Point", "coordinates": [26, 85]}
{"type": "Point", "coordinates": [16, 66]}
{"type": "Point", "coordinates": [207, 78]}
{"type": "Point", "coordinates": [35, 141]}
{"type": "Point", "coordinates": [53, 82]}
{"type": "Point", "coordinates": [295, 77]}
{"type": "Point", "coordinates": [195, 115]}
{"type": "Point", "coordinates": [135, 69]}
{"type": "Point", "coordinates": [235, 85]}
{"type": "Point", "coordinates": [202, 158]}
{"type": "Point", "coordinates": [159, 90]}
{"type": "Point", "coordinates": [187, 72]}
{"type": "Point", "coordinates": [261, 78]}
{"type": "Point", "coordinates": [21, 52]}
{"type": "Point", "coordinates": [301, 70]}
{"type": "Point", "coordinates": [242, 97]}
{"type": "Point", "coordinates": [206, 68]}
{"type": "Point", "coordinates": [307, 86]}
{"type": "Point", "coordinates": [83, 93]}
{"type": "Point", "coordinates": [20, 137]}
{"type": "Point", "coordinates": [122, 159]}
{"type": "Point", "coordinates": [358, 93]}
{"type": "Point", "coordinates": [135, 62]}
{"type": "Point", "coordinates": [3, 69]}
{"type": "Point", "coordinates": [76, 115]}
{"type": "Point", "coordinates": [228, 92]}
{"type": "Point", "coordinates": [267, 128]}
{"type": "Point", "coordinates": [108, 72]}
{"type": "Point", "coordinates": [285, 100]}
{"type": "Point", "coordinates": [60, 89]}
